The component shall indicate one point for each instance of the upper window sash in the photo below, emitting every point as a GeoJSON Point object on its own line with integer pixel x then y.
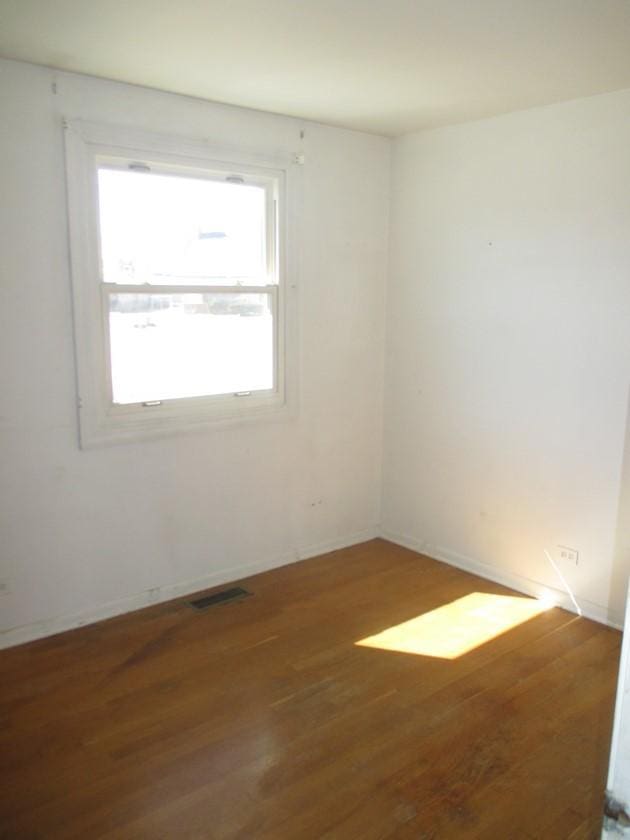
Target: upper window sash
{"type": "Point", "coordinates": [187, 179]}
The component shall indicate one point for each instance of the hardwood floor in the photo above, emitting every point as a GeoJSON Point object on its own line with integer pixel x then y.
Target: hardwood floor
{"type": "Point", "coordinates": [263, 720]}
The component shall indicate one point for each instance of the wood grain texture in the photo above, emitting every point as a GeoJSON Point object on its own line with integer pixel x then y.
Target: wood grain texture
{"type": "Point", "coordinates": [263, 720]}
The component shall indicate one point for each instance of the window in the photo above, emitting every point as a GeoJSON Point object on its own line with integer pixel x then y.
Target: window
{"type": "Point", "coordinates": [178, 265]}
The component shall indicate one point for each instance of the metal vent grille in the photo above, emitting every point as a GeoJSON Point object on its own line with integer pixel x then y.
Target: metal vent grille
{"type": "Point", "coordinates": [224, 597]}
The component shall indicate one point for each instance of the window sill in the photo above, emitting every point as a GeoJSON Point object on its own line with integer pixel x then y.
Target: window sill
{"type": "Point", "coordinates": [133, 424]}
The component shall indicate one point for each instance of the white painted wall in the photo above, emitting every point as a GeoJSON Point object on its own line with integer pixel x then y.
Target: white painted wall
{"type": "Point", "coordinates": [508, 349]}
{"type": "Point", "coordinates": [86, 533]}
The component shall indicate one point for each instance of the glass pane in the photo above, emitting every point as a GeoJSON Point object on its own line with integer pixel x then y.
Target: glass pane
{"type": "Point", "coordinates": [167, 346]}
{"type": "Point", "coordinates": [171, 230]}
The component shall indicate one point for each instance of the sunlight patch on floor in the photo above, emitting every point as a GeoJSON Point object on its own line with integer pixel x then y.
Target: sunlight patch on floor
{"type": "Point", "coordinates": [457, 628]}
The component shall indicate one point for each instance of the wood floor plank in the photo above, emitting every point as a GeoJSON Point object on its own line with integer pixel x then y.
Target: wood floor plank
{"type": "Point", "coordinates": [263, 719]}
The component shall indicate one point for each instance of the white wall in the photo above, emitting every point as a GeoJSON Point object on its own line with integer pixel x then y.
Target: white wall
{"type": "Point", "coordinates": [508, 350]}
{"type": "Point", "coordinates": [85, 533]}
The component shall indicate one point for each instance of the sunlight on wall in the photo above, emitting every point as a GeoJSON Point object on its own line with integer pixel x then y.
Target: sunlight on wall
{"type": "Point", "coordinates": [456, 628]}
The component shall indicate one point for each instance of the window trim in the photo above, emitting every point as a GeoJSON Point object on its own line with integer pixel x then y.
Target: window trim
{"type": "Point", "coordinates": [101, 421]}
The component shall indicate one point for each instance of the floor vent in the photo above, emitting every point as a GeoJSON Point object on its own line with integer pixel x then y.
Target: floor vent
{"type": "Point", "coordinates": [224, 597]}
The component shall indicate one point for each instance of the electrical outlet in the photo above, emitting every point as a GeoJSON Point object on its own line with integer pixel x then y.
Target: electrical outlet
{"type": "Point", "coordinates": [568, 555]}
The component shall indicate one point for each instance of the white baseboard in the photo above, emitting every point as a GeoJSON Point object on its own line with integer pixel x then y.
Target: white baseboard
{"type": "Point", "coordinates": [337, 543]}
{"type": "Point", "coordinates": [520, 583]}
{"type": "Point", "coordinates": [157, 595]}
{"type": "Point", "coordinates": [49, 627]}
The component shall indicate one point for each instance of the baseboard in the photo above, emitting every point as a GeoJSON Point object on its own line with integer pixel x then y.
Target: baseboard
{"type": "Point", "coordinates": [520, 583]}
{"type": "Point", "coordinates": [157, 595]}
{"type": "Point", "coordinates": [339, 542]}
{"type": "Point", "coordinates": [49, 627]}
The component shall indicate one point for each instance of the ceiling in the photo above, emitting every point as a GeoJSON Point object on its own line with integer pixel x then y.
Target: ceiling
{"type": "Point", "coordinates": [384, 66]}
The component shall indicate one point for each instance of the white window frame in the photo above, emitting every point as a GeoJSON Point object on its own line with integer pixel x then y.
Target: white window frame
{"type": "Point", "coordinates": [101, 421]}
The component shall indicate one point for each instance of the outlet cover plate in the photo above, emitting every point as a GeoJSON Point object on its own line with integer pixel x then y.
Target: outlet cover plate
{"type": "Point", "coordinates": [568, 555]}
